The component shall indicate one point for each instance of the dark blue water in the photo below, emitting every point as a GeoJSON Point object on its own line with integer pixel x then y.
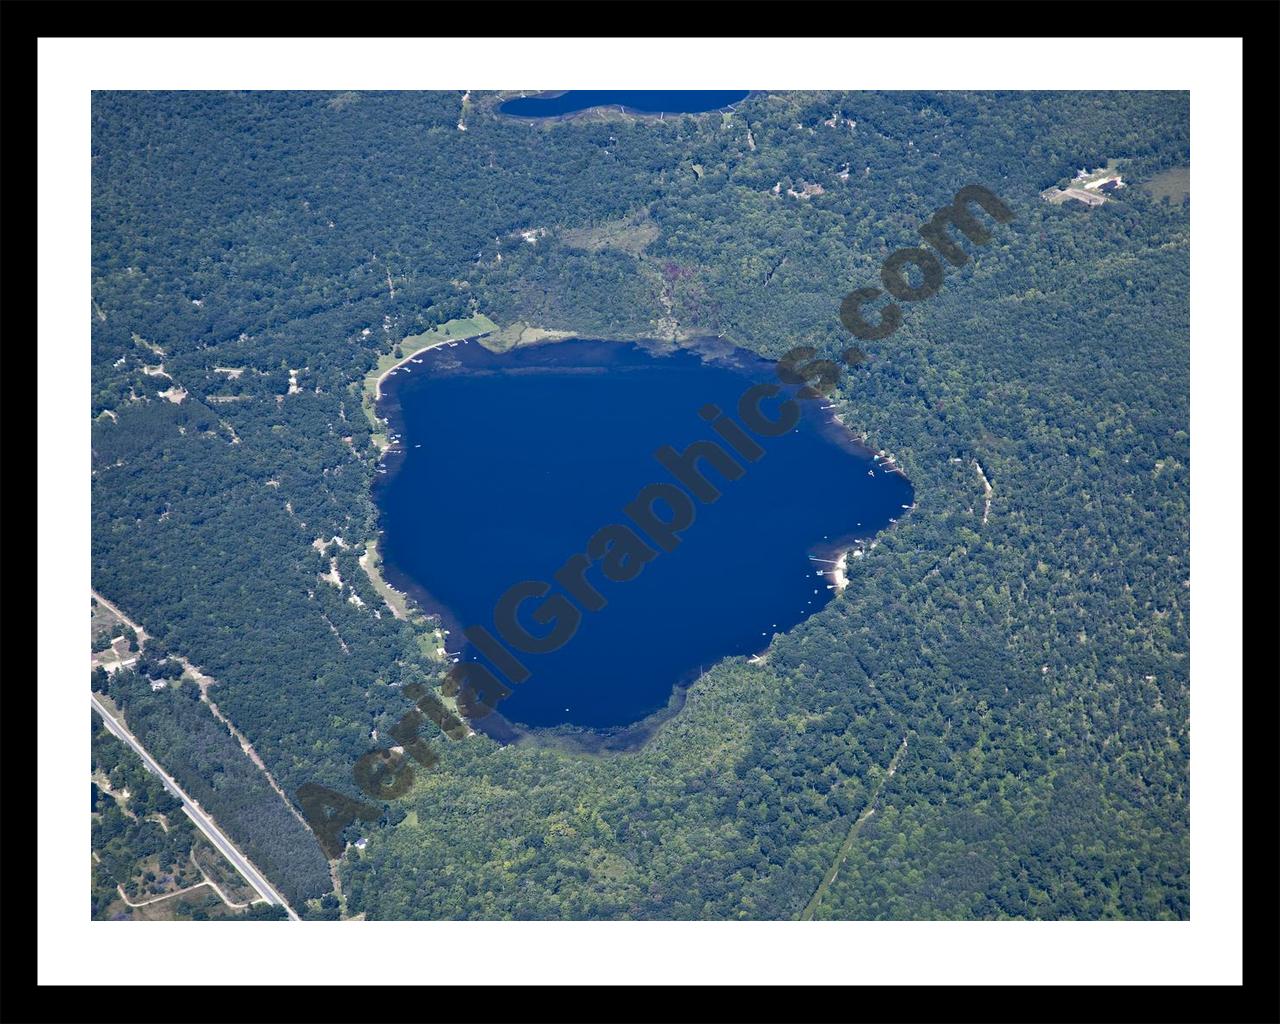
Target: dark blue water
{"type": "Point", "coordinates": [641, 101]}
{"type": "Point", "coordinates": [524, 456]}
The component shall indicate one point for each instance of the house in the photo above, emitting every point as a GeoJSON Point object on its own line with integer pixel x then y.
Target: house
{"type": "Point", "coordinates": [1108, 184]}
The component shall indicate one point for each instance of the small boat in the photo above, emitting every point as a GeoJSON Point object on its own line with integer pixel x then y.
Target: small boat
{"type": "Point", "coordinates": [871, 472]}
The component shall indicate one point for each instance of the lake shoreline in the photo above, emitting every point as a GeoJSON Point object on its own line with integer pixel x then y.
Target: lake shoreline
{"type": "Point", "coordinates": [604, 108]}
{"type": "Point", "coordinates": [633, 736]}
{"type": "Point", "coordinates": [376, 396]}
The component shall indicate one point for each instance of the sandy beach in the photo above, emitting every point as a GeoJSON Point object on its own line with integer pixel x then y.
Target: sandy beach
{"type": "Point", "coordinates": [837, 573]}
{"type": "Point", "coordinates": [377, 384]}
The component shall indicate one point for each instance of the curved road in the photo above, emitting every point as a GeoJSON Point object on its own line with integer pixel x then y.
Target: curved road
{"type": "Point", "coordinates": [203, 821]}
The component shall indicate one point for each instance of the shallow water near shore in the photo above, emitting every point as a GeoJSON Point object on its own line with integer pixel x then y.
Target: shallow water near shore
{"type": "Point", "coordinates": [507, 464]}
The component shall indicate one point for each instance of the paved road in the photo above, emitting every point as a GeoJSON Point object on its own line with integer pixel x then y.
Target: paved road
{"type": "Point", "coordinates": [202, 821]}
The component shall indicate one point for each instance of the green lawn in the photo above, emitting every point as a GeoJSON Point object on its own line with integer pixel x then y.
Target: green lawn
{"type": "Point", "coordinates": [453, 330]}
{"type": "Point", "coordinates": [1174, 183]}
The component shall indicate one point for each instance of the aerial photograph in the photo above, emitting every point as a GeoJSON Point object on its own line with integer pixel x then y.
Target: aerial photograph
{"type": "Point", "coordinates": [741, 505]}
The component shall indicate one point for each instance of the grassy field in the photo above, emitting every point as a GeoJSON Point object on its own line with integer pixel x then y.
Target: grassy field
{"type": "Point", "coordinates": [104, 627]}
{"type": "Point", "coordinates": [453, 330]}
{"type": "Point", "coordinates": [520, 333]}
{"type": "Point", "coordinates": [468, 327]}
{"type": "Point", "coordinates": [1174, 183]}
{"type": "Point", "coordinates": [631, 234]}
{"type": "Point", "coordinates": [103, 620]}
{"type": "Point", "coordinates": [166, 910]}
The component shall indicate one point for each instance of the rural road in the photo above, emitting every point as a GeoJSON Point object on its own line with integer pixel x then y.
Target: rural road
{"type": "Point", "coordinates": [143, 635]}
{"type": "Point", "coordinates": [202, 821]}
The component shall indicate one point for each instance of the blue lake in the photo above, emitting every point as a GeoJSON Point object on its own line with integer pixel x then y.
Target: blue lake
{"type": "Point", "coordinates": [640, 101]}
{"type": "Point", "coordinates": [508, 464]}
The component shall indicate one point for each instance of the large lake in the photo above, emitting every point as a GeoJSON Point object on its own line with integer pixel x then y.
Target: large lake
{"type": "Point", "coordinates": [507, 465]}
{"type": "Point", "coordinates": [637, 101]}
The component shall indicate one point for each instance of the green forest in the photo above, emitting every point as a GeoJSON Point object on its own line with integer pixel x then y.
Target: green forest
{"type": "Point", "coordinates": [207, 762]}
{"type": "Point", "coordinates": [255, 254]}
{"type": "Point", "coordinates": [147, 856]}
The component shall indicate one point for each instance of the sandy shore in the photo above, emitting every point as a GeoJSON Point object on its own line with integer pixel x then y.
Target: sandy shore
{"type": "Point", "coordinates": [371, 563]}
{"type": "Point", "coordinates": [838, 572]}
{"type": "Point", "coordinates": [377, 385]}
{"type": "Point", "coordinates": [373, 395]}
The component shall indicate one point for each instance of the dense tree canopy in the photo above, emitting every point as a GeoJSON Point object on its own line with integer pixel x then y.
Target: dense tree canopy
{"type": "Point", "coordinates": [254, 254]}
